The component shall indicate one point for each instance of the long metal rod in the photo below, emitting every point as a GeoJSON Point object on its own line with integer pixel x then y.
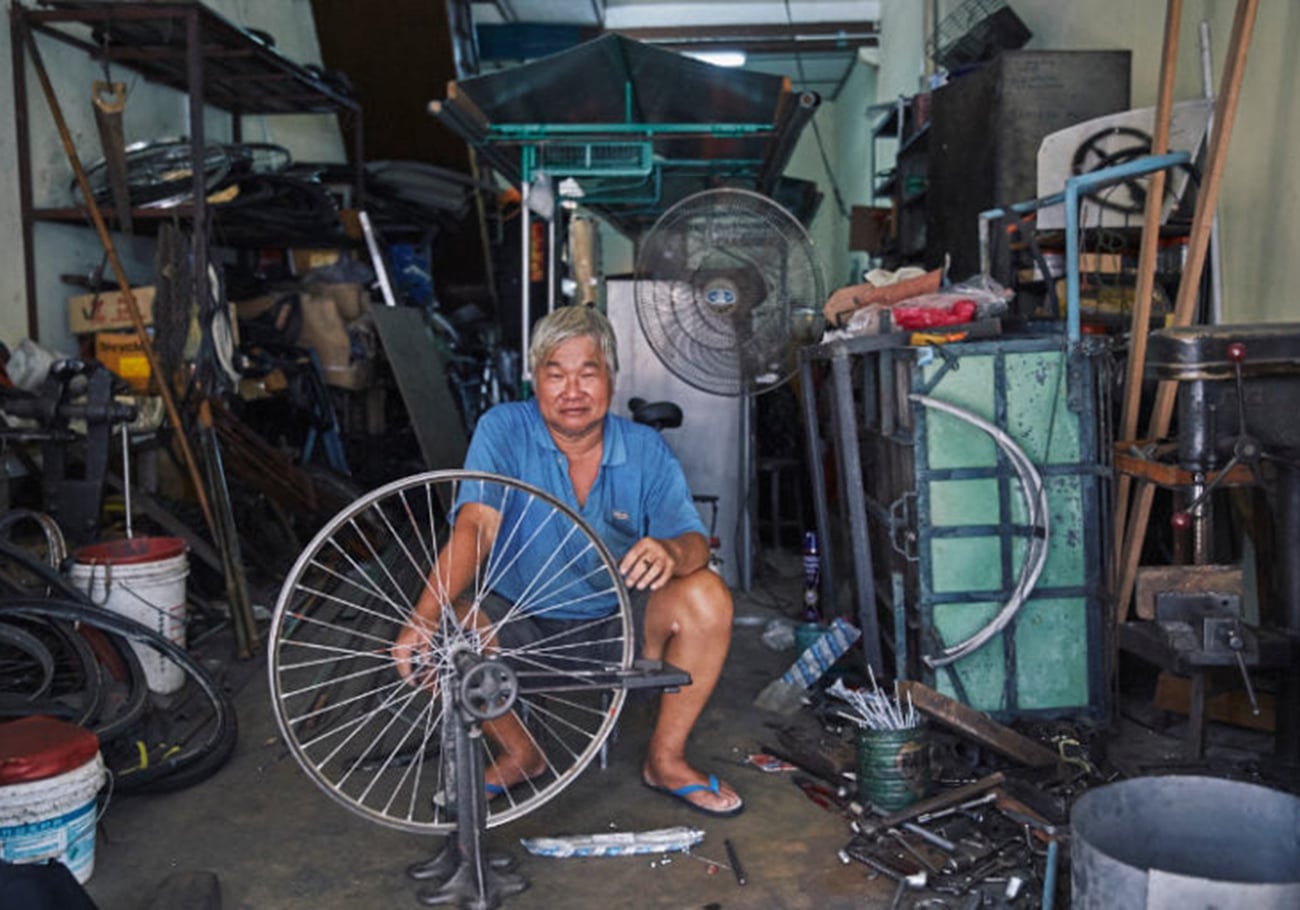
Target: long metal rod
{"type": "Point", "coordinates": [126, 478]}
{"type": "Point", "coordinates": [377, 260]}
{"type": "Point", "coordinates": [22, 137]}
{"type": "Point", "coordinates": [1189, 285]}
{"type": "Point", "coordinates": [817, 478]}
{"type": "Point", "coordinates": [124, 285]}
{"type": "Point", "coordinates": [525, 274]}
{"type": "Point", "coordinates": [851, 466]}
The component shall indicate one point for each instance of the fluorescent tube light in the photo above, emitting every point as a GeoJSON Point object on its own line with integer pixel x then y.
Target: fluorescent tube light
{"type": "Point", "coordinates": [719, 58]}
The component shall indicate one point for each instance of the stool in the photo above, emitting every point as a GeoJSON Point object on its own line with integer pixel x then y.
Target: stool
{"type": "Point", "coordinates": [774, 466]}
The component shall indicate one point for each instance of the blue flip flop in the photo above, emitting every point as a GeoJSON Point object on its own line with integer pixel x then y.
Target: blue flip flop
{"type": "Point", "coordinates": [686, 790]}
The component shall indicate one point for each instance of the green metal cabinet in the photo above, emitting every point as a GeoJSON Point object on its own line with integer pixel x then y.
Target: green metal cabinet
{"type": "Point", "coordinates": [947, 524]}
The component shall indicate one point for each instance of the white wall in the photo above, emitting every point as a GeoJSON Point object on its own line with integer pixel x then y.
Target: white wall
{"type": "Point", "coordinates": [1261, 188]}
{"type": "Point", "coordinates": [151, 112]}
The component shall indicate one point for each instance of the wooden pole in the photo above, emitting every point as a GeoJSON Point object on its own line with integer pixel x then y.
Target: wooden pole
{"type": "Point", "coordinates": [1140, 325]}
{"type": "Point", "coordinates": [123, 284]}
{"type": "Point", "coordinates": [1189, 285]}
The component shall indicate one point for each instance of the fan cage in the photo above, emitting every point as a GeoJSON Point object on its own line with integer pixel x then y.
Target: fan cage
{"type": "Point", "coordinates": [727, 285]}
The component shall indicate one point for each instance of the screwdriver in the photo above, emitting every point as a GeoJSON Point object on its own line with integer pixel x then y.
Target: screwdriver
{"type": "Point", "coordinates": [734, 860]}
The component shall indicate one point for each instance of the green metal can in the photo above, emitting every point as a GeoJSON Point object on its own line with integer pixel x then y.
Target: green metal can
{"type": "Point", "coordinates": [893, 767]}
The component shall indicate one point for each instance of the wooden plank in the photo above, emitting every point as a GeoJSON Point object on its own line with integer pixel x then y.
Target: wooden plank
{"type": "Point", "coordinates": [1189, 285]}
{"type": "Point", "coordinates": [977, 725]}
{"type": "Point", "coordinates": [1153, 580]}
{"type": "Point", "coordinates": [1140, 324]}
{"type": "Point", "coordinates": [1164, 474]}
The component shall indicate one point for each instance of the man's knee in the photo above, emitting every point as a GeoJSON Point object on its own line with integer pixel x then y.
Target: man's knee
{"type": "Point", "coordinates": [700, 600]}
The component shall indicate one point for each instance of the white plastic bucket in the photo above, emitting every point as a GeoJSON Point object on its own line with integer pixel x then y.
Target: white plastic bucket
{"type": "Point", "coordinates": [53, 818]}
{"type": "Point", "coordinates": [142, 578]}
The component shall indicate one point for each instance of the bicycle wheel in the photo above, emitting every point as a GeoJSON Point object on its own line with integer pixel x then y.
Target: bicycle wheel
{"type": "Point", "coordinates": [376, 743]}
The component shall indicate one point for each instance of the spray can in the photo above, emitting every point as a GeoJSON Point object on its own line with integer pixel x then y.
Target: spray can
{"type": "Point", "coordinates": [811, 629]}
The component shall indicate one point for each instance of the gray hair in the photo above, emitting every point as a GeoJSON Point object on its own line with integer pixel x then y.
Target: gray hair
{"type": "Point", "coordinates": [567, 322]}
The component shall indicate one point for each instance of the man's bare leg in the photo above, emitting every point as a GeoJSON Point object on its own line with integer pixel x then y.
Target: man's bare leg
{"type": "Point", "coordinates": [688, 624]}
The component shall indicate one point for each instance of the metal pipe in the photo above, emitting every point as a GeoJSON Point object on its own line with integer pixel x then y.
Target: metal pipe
{"type": "Point", "coordinates": [18, 32]}
{"type": "Point", "coordinates": [1075, 187]}
{"type": "Point", "coordinates": [525, 274]}
{"type": "Point", "coordinates": [817, 478]}
{"type": "Point", "coordinates": [550, 262]}
{"type": "Point", "coordinates": [126, 478]}
{"type": "Point", "coordinates": [851, 469]}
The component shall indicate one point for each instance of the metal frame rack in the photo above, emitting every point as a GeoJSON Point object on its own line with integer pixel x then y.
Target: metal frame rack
{"type": "Point", "coordinates": [184, 46]}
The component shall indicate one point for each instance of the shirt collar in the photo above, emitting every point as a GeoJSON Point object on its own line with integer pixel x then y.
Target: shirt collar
{"type": "Point", "coordinates": [613, 445]}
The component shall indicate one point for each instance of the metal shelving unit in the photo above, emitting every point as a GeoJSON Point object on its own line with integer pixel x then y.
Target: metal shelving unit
{"type": "Point", "coordinates": [189, 48]}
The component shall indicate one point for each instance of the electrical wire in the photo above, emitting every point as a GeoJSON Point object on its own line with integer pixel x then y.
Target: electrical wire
{"type": "Point", "coordinates": [817, 133]}
{"type": "Point", "coordinates": [1035, 494]}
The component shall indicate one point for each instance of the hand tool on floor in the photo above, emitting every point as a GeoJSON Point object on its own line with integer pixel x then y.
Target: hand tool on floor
{"type": "Point", "coordinates": [942, 801]}
{"type": "Point", "coordinates": [785, 695]}
{"type": "Point", "coordinates": [736, 868]}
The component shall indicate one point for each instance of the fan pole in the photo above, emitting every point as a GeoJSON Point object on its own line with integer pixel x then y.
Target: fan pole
{"type": "Point", "coordinates": [745, 495]}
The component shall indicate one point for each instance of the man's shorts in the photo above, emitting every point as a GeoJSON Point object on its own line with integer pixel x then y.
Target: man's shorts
{"type": "Point", "coordinates": [584, 639]}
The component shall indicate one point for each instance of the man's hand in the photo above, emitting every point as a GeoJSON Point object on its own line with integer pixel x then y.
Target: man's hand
{"type": "Point", "coordinates": [411, 650]}
{"type": "Point", "coordinates": [648, 564]}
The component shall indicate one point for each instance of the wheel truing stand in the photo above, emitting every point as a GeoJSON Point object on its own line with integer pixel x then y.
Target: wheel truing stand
{"type": "Point", "coordinates": [479, 688]}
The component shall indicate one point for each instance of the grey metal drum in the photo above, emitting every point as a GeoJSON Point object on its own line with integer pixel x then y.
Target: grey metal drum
{"type": "Point", "coordinates": [1184, 843]}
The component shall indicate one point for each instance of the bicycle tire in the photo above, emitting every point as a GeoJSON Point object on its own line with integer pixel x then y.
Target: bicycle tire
{"type": "Point", "coordinates": [175, 770]}
{"type": "Point", "coordinates": [375, 743]}
{"type": "Point", "coordinates": [21, 654]}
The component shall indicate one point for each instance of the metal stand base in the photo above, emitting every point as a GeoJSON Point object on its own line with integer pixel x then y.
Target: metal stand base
{"type": "Point", "coordinates": [464, 874]}
{"type": "Point", "coordinates": [465, 881]}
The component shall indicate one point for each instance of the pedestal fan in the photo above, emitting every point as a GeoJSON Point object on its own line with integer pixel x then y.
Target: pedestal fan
{"type": "Point", "coordinates": [727, 288]}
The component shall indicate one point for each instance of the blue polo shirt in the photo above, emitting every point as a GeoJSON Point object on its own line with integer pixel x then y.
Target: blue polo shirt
{"type": "Point", "coordinates": [539, 559]}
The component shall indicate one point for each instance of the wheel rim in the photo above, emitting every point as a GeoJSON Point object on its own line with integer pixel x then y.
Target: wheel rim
{"type": "Point", "coordinates": [379, 745]}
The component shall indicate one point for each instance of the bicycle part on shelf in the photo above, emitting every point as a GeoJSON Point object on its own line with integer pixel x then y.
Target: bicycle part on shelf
{"type": "Point", "coordinates": [257, 158]}
{"type": "Point", "coordinates": [159, 173]}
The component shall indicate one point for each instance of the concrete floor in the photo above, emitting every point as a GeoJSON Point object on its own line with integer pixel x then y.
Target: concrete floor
{"type": "Point", "coordinates": [275, 842]}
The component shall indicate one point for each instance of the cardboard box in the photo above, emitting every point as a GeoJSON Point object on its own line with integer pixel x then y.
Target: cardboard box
{"type": "Point", "coordinates": [304, 260]}
{"type": "Point", "coordinates": [123, 354]}
{"type": "Point", "coordinates": [107, 310]}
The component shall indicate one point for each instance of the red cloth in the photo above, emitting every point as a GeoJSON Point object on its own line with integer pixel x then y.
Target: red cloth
{"type": "Point", "coordinates": [929, 317]}
{"type": "Point", "coordinates": [36, 748]}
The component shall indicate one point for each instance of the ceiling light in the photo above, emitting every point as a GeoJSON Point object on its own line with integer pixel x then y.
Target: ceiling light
{"type": "Point", "coordinates": [718, 58]}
